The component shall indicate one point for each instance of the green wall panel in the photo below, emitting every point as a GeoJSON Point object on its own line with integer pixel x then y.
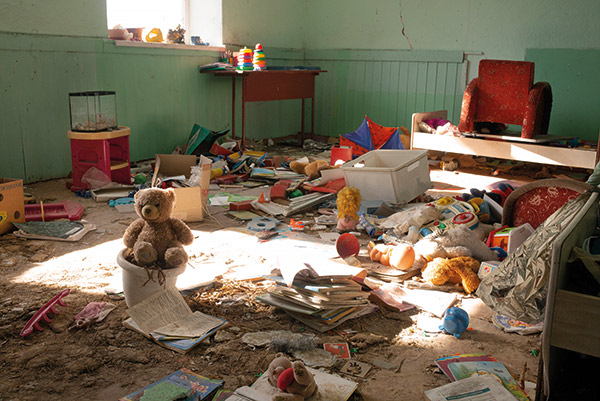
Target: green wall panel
{"type": "Point", "coordinates": [388, 86]}
{"type": "Point", "coordinates": [34, 107]}
{"type": "Point", "coordinates": [573, 76]}
{"type": "Point", "coordinates": [160, 97]}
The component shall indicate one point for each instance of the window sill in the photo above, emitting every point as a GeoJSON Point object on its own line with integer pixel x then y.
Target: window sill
{"type": "Point", "coordinates": [131, 43]}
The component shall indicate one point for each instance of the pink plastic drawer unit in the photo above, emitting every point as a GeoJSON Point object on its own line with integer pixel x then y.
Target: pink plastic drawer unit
{"type": "Point", "coordinates": [108, 151]}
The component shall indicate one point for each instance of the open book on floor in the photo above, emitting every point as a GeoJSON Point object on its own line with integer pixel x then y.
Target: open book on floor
{"type": "Point", "coordinates": [166, 318]}
{"type": "Point", "coordinates": [182, 385]}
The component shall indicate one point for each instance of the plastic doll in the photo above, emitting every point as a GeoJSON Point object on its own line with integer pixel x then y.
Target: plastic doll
{"type": "Point", "coordinates": [348, 204]}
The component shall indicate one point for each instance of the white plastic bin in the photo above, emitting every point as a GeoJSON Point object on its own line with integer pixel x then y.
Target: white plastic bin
{"type": "Point", "coordinates": [395, 176]}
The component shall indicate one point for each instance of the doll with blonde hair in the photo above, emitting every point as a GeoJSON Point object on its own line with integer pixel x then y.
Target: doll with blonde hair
{"type": "Point", "coordinates": [348, 205]}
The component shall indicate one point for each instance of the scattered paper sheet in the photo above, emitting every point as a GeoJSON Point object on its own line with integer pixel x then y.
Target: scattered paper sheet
{"type": "Point", "coordinates": [435, 302]}
{"type": "Point", "coordinates": [219, 200]}
{"type": "Point", "coordinates": [191, 326]}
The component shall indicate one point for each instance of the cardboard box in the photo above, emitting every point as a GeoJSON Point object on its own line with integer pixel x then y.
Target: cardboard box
{"type": "Point", "coordinates": [190, 202]}
{"type": "Point", "coordinates": [12, 203]}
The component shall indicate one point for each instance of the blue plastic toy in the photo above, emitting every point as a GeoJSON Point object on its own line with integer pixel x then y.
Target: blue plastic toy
{"type": "Point", "coordinates": [455, 321]}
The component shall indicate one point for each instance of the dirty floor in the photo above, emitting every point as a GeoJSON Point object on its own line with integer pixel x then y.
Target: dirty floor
{"type": "Point", "coordinates": [107, 361]}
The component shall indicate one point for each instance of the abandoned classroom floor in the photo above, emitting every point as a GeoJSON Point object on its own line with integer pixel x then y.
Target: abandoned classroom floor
{"type": "Point", "coordinates": [108, 361]}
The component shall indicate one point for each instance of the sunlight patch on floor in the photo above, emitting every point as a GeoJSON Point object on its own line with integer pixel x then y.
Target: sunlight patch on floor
{"type": "Point", "coordinates": [231, 253]}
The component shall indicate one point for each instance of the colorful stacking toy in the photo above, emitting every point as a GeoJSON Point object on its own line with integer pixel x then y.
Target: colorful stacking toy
{"type": "Point", "coordinates": [259, 62]}
{"type": "Point", "coordinates": [245, 60]}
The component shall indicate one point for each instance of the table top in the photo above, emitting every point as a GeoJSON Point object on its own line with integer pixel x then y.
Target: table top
{"type": "Point", "coordinates": [232, 73]}
{"type": "Point", "coordinates": [122, 131]}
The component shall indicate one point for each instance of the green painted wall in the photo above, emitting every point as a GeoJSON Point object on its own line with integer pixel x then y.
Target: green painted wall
{"type": "Point", "coordinates": [274, 23]}
{"type": "Point", "coordinates": [575, 82]}
{"type": "Point", "coordinates": [54, 17]}
{"type": "Point", "coordinates": [500, 29]}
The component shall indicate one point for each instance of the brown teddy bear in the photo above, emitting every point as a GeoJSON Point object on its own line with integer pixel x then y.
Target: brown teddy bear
{"type": "Point", "coordinates": [462, 269]}
{"type": "Point", "coordinates": [312, 170]}
{"type": "Point", "coordinates": [294, 381]}
{"type": "Point", "coordinates": [276, 367]}
{"type": "Point", "coordinates": [156, 237]}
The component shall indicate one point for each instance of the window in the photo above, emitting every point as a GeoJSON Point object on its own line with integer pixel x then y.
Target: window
{"type": "Point", "coordinates": [201, 18]}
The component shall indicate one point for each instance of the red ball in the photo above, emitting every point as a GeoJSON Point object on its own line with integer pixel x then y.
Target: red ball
{"type": "Point", "coordinates": [347, 245]}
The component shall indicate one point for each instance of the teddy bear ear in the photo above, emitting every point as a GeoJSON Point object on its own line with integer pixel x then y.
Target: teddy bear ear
{"type": "Point", "coordinates": [171, 194]}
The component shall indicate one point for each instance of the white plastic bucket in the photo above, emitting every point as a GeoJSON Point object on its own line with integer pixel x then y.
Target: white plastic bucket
{"type": "Point", "coordinates": [135, 276]}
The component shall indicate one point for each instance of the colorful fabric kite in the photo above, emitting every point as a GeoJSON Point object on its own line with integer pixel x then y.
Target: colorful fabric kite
{"type": "Point", "coordinates": [370, 136]}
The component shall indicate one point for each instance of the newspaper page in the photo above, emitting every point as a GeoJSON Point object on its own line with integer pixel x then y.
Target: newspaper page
{"type": "Point", "coordinates": [166, 313]}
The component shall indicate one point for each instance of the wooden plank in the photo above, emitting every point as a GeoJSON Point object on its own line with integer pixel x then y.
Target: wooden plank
{"type": "Point", "coordinates": [411, 89]}
{"type": "Point", "coordinates": [506, 150]}
{"type": "Point", "coordinates": [402, 95]}
{"type": "Point", "coordinates": [431, 86]}
{"type": "Point", "coordinates": [451, 92]}
{"type": "Point", "coordinates": [377, 90]}
{"type": "Point", "coordinates": [12, 163]}
{"type": "Point", "coordinates": [370, 68]}
{"type": "Point", "coordinates": [393, 92]}
{"type": "Point", "coordinates": [576, 324]}
{"type": "Point", "coordinates": [440, 87]}
{"type": "Point", "coordinates": [356, 111]}
{"type": "Point", "coordinates": [421, 89]}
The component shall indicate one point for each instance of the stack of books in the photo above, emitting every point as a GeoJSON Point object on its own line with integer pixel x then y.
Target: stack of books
{"type": "Point", "coordinates": [319, 302]}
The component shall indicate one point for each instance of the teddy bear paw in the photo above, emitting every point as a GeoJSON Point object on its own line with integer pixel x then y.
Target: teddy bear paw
{"type": "Point", "coordinates": [175, 257]}
{"type": "Point", "coordinates": [144, 253]}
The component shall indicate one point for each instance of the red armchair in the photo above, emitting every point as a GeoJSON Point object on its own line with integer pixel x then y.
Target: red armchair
{"type": "Point", "coordinates": [504, 93]}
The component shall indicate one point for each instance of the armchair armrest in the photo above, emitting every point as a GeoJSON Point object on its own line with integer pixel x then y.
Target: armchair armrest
{"type": "Point", "coordinates": [537, 111]}
{"type": "Point", "coordinates": [469, 106]}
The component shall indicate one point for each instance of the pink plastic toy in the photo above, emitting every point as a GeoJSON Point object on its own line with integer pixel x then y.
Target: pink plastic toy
{"type": "Point", "coordinates": [41, 314]}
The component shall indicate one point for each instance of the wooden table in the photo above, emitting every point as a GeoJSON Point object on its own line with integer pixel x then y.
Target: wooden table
{"type": "Point", "coordinates": [258, 86]}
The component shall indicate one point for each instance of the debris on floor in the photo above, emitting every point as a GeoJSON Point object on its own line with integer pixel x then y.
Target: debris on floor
{"type": "Point", "coordinates": [365, 301]}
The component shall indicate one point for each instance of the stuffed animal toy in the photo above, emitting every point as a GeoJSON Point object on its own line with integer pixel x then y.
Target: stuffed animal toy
{"type": "Point", "coordinates": [454, 242]}
{"type": "Point", "coordinates": [276, 367]}
{"type": "Point", "coordinates": [312, 170]}
{"type": "Point", "coordinates": [462, 269]}
{"type": "Point", "coordinates": [400, 256]}
{"type": "Point", "coordinates": [295, 383]}
{"type": "Point", "coordinates": [348, 205]}
{"type": "Point", "coordinates": [156, 237]}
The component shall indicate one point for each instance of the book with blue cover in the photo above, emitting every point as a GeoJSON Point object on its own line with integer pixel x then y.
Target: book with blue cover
{"type": "Point", "coordinates": [183, 385]}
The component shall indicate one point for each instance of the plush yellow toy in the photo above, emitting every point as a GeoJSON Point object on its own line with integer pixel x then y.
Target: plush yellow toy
{"type": "Point", "coordinates": [348, 204]}
{"type": "Point", "coordinates": [312, 170]}
{"type": "Point", "coordinates": [462, 269]}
